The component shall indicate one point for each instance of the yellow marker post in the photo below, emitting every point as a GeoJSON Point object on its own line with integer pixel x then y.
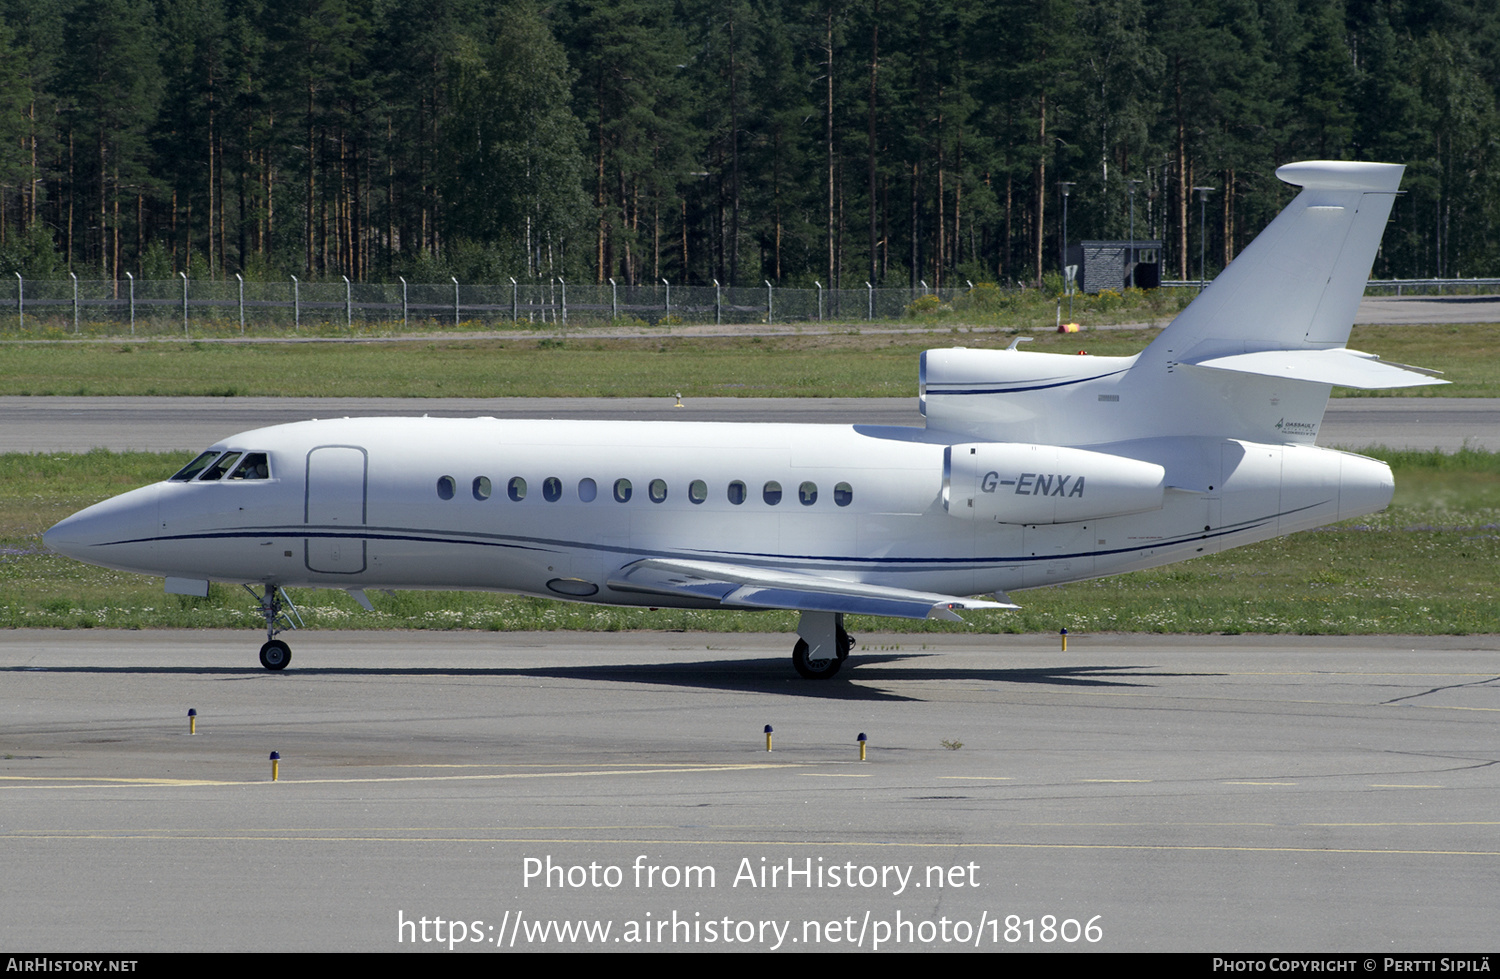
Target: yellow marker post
{"type": "Point", "coordinates": [1065, 640]}
{"type": "Point", "coordinates": [768, 737]}
{"type": "Point", "coordinates": [192, 720]}
{"type": "Point", "coordinates": [862, 740]}
{"type": "Point", "coordinates": [275, 765]}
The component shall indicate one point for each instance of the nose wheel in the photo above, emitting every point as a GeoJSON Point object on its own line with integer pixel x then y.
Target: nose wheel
{"type": "Point", "coordinates": [275, 655]}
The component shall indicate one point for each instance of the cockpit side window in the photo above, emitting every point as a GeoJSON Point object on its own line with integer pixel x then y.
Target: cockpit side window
{"type": "Point", "coordinates": [218, 469]}
{"type": "Point", "coordinates": [252, 466]}
{"type": "Point", "coordinates": [195, 467]}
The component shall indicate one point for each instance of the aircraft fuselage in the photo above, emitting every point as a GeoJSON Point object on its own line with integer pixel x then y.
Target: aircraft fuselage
{"type": "Point", "coordinates": [557, 508]}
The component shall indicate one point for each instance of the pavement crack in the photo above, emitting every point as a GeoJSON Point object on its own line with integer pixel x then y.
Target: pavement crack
{"type": "Point", "coordinates": [1433, 690]}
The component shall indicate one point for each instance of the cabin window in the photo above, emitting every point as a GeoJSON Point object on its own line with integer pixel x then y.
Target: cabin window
{"type": "Point", "coordinates": [517, 489]}
{"type": "Point", "coordinates": [843, 494]}
{"type": "Point", "coordinates": [697, 491]}
{"type": "Point", "coordinates": [807, 493]}
{"type": "Point", "coordinates": [218, 469]}
{"type": "Point", "coordinates": [252, 466]}
{"type": "Point", "coordinates": [657, 490]}
{"type": "Point", "coordinates": [622, 491]}
{"type": "Point", "coordinates": [736, 492]}
{"type": "Point", "coordinates": [195, 467]}
{"type": "Point", "coordinates": [445, 487]}
{"type": "Point", "coordinates": [551, 489]}
{"type": "Point", "coordinates": [771, 493]}
{"type": "Point", "coordinates": [587, 490]}
{"type": "Point", "coordinates": [482, 487]}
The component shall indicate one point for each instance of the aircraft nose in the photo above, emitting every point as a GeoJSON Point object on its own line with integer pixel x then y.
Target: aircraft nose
{"type": "Point", "coordinates": [115, 533]}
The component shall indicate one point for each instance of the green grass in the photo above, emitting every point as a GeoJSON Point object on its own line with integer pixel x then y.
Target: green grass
{"type": "Point", "coordinates": [851, 364]}
{"type": "Point", "coordinates": [1425, 566]}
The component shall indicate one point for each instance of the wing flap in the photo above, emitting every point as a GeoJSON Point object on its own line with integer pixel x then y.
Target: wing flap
{"type": "Point", "coordinates": [738, 586]}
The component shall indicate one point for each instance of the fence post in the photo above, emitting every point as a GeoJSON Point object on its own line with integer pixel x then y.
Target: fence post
{"type": "Point", "coordinates": [871, 290]}
{"type": "Point", "coordinates": [514, 311]}
{"type": "Point", "coordinates": [20, 302]}
{"type": "Point", "coordinates": [564, 283]}
{"type": "Point", "coordinates": [403, 300]}
{"type": "Point", "coordinates": [669, 297]}
{"type": "Point", "coordinates": [455, 299]}
{"type": "Point", "coordinates": [614, 299]}
{"type": "Point", "coordinates": [770, 314]}
{"type": "Point", "coordinates": [132, 303]}
{"type": "Point", "coordinates": [296, 304]}
{"type": "Point", "coordinates": [184, 303]}
{"type": "Point", "coordinates": [241, 279]}
{"type": "Point", "coordinates": [348, 305]}
{"type": "Point", "coordinates": [820, 299]}
{"type": "Point", "coordinates": [718, 304]}
{"type": "Point", "coordinates": [74, 276]}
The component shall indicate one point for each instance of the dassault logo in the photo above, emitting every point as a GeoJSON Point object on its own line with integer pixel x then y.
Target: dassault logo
{"type": "Point", "coordinates": [1034, 484]}
{"type": "Point", "coordinates": [1297, 428]}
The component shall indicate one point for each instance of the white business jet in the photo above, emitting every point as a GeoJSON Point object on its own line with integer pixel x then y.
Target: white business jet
{"type": "Point", "coordinates": [1033, 469]}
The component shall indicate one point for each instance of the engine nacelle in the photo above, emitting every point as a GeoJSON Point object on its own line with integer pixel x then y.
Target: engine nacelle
{"type": "Point", "coordinates": [1021, 483]}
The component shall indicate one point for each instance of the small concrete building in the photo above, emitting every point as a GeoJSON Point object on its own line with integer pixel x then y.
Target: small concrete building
{"type": "Point", "coordinates": [1107, 264]}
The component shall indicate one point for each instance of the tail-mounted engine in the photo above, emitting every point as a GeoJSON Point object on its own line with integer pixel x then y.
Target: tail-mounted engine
{"type": "Point", "coordinates": [1021, 483]}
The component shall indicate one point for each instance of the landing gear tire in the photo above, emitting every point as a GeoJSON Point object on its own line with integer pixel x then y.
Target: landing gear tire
{"type": "Point", "coordinates": [275, 655]}
{"type": "Point", "coordinates": [816, 669]}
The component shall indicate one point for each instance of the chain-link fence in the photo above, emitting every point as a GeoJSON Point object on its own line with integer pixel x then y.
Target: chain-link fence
{"type": "Point", "coordinates": [158, 306]}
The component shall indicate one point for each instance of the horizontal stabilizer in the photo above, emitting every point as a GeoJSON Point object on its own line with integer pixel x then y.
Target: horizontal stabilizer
{"type": "Point", "coordinates": [1338, 366]}
{"type": "Point", "coordinates": [737, 586]}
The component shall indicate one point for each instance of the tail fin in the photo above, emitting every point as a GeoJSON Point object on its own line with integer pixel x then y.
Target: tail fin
{"type": "Point", "coordinates": [1297, 286]}
{"type": "Point", "coordinates": [1254, 357]}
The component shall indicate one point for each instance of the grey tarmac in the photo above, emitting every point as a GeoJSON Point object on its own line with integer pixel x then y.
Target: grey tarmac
{"type": "Point", "coordinates": [1217, 794]}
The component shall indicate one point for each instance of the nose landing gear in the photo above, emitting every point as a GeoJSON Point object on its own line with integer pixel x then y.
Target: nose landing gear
{"type": "Point", "coordinates": [279, 612]}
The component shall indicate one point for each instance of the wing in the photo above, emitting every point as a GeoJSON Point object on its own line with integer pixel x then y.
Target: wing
{"type": "Point", "coordinates": [737, 586]}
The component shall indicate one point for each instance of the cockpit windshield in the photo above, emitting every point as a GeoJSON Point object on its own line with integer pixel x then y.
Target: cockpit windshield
{"type": "Point", "coordinates": [218, 469]}
{"type": "Point", "coordinates": [195, 467]}
{"type": "Point", "coordinates": [213, 464]}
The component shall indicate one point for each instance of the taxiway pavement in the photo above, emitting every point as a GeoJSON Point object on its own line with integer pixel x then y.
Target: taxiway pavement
{"type": "Point", "coordinates": [1174, 793]}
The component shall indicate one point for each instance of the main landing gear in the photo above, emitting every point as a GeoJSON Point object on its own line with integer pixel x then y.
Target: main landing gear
{"type": "Point", "coordinates": [279, 612]}
{"type": "Point", "coordinates": [823, 646]}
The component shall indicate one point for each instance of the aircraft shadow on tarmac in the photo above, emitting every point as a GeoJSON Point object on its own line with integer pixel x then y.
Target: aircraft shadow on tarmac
{"type": "Point", "coordinates": [862, 681]}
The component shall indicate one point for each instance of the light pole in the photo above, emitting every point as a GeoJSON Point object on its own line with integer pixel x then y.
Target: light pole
{"type": "Point", "coordinates": [1130, 186]}
{"type": "Point", "coordinates": [1202, 193]}
{"type": "Point", "coordinates": [1066, 186]}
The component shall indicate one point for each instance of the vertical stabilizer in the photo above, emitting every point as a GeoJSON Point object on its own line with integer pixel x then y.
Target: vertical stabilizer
{"type": "Point", "coordinates": [1253, 358]}
{"type": "Point", "coordinates": [1297, 286]}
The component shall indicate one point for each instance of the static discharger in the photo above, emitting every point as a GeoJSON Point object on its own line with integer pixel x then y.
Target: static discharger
{"type": "Point", "coordinates": [861, 739]}
{"type": "Point", "coordinates": [192, 720]}
{"type": "Point", "coordinates": [768, 737]}
{"type": "Point", "coordinates": [275, 766]}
